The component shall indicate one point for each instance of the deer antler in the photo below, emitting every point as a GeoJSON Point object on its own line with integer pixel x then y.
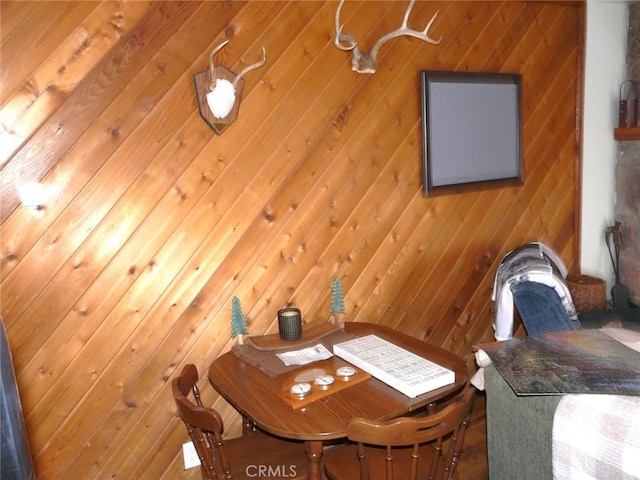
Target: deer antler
{"type": "Point", "coordinates": [367, 62]}
{"type": "Point", "coordinates": [213, 54]}
{"type": "Point", "coordinates": [253, 66]}
{"type": "Point", "coordinates": [246, 70]}
{"type": "Point", "coordinates": [222, 93]}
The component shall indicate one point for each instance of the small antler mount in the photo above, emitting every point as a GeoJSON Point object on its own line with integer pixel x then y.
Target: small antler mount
{"type": "Point", "coordinates": [219, 91]}
{"type": "Point", "coordinates": [363, 62]}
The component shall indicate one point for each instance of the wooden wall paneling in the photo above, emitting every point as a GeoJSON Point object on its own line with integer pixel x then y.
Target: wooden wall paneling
{"type": "Point", "coordinates": [516, 33]}
{"type": "Point", "coordinates": [86, 256]}
{"type": "Point", "coordinates": [321, 198]}
{"type": "Point", "coordinates": [543, 74]}
{"type": "Point", "coordinates": [332, 226]}
{"type": "Point", "coordinates": [465, 228]}
{"type": "Point", "coordinates": [39, 148]}
{"type": "Point", "coordinates": [14, 15]}
{"type": "Point", "coordinates": [456, 261]}
{"type": "Point", "coordinates": [120, 329]}
{"type": "Point", "coordinates": [124, 205]}
{"type": "Point", "coordinates": [541, 122]}
{"type": "Point", "coordinates": [487, 26]}
{"type": "Point", "coordinates": [157, 457]}
{"type": "Point", "coordinates": [431, 296]}
{"type": "Point", "coordinates": [557, 216]}
{"type": "Point", "coordinates": [98, 442]}
{"type": "Point", "coordinates": [473, 307]}
{"type": "Point", "coordinates": [150, 272]}
{"type": "Point", "coordinates": [419, 268]}
{"type": "Point", "coordinates": [354, 234]}
{"type": "Point", "coordinates": [537, 210]}
{"type": "Point", "coordinates": [135, 259]}
{"type": "Point", "coordinates": [465, 347]}
{"type": "Point", "coordinates": [538, 172]}
{"type": "Point", "coordinates": [565, 235]}
{"type": "Point", "coordinates": [481, 39]}
{"type": "Point", "coordinates": [435, 245]}
{"type": "Point", "coordinates": [407, 239]}
{"type": "Point", "coordinates": [229, 223]}
{"type": "Point", "coordinates": [84, 267]}
{"type": "Point", "coordinates": [481, 299]}
{"type": "Point", "coordinates": [44, 90]}
{"type": "Point", "coordinates": [165, 407]}
{"type": "Point", "coordinates": [339, 232]}
{"type": "Point", "coordinates": [83, 106]}
{"type": "Point", "coordinates": [419, 312]}
{"type": "Point", "coordinates": [537, 20]}
{"type": "Point", "coordinates": [416, 159]}
{"type": "Point", "coordinates": [27, 47]}
{"type": "Point", "coordinates": [532, 234]}
{"type": "Point", "coordinates": [553, 178]}
{"type": "Point", "coordinates": [540, 72]}
{"type": "Point", "coordinates": [579, 134]}
{"type": "Point", "coordinates": [91, 151]}
{"type": "Point", "coordinates": [200, 177]}
{"type": "Point", "coordinates": [470, 26]}
{"type": "Point", "coordinates": [373, 156]}
{"type": "Point", "coordinates": [500, 35]}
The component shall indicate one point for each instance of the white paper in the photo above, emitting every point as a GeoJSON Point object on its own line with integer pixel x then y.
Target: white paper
{"type": "Point", "coordinates": [304, 356]}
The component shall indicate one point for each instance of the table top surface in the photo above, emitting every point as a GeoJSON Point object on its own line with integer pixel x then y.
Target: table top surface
{"type": "Point", "coordinates": [256, 395]}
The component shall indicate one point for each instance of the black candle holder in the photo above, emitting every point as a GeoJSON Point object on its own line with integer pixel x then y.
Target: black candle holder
{"type": "Point", "coordinates": [290, 323]}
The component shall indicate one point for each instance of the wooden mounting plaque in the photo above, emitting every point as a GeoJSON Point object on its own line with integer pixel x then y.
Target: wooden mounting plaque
{"type": "Point", "coordinates": [309, 373]}
{"type": "Point", "coordinates": [311, 332]}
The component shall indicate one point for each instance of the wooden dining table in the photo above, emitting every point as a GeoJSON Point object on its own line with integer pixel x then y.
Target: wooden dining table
{"type": "Point", "coordinates": [261, 396]}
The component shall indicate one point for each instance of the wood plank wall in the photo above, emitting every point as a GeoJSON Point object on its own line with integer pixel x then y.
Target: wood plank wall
{"type": "Point", "coordinates": [154, 223]}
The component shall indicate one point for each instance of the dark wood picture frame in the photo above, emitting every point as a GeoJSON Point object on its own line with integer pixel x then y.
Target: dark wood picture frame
{"type": "Point", "coordinates": [471, 131]}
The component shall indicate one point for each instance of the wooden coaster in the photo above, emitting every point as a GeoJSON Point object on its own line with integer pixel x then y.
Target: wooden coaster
{"type": "Point", "coordinates": [310, 373]}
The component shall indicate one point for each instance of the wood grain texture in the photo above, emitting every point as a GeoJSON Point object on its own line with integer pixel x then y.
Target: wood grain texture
{"type": "Point", "coordinates": [153, 223]}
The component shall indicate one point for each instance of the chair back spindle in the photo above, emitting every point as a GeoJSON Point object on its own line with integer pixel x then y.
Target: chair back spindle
{"type": "Point", "coordinates": [204, 425]}
{"type": "Point", "coordinates": [236, 458]}
{"type": "Point", "coordinates": [405, 448]}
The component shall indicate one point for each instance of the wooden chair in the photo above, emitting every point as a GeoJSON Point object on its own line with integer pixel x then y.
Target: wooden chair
{"type": "Point", "coordinates": [253, 455]}
{"type": "Point", "coordinates": [405, 448]}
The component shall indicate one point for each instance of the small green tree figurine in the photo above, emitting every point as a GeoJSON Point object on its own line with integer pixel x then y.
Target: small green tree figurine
{"type": "Point", "coordinates": [337, 301]}
{"type": "Point", "coordinates": [238, 322]}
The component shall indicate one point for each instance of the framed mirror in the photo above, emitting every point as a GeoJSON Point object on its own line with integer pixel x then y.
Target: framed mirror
{"type": "Point", "coordinates": [471, 131]}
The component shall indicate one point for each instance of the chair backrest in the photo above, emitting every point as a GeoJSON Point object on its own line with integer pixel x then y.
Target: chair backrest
{"type": "Point", "coordinates": [204, 425]}
{"type": "Point", "coordinates": [451, 421]}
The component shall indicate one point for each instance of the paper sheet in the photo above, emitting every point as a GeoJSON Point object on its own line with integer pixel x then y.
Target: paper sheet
{"type": "Point", "coordinates": [305, 356]}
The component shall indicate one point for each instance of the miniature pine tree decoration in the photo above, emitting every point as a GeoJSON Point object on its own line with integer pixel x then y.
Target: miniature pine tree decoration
{"type": "Point", "coordinates": [337, 301]}
{"type": "Point", "coordinates": [238, 322]}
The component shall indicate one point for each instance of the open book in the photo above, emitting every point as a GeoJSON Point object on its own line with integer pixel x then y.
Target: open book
{"type": "Point", "coordinates": [401, 369]}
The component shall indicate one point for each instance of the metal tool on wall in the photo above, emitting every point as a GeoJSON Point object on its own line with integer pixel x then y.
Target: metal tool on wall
{"type": "Point", "coordinates": [619, 292]}
{"type": "Point", "coordinates": [628, 106]}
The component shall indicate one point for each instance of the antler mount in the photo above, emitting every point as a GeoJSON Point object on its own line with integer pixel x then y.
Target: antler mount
{"type": "Point", "coordinates": [363, 62]}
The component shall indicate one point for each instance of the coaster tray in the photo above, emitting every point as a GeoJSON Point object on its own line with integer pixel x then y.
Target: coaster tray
{"type": "Point", "coordinates": [308, 374]}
